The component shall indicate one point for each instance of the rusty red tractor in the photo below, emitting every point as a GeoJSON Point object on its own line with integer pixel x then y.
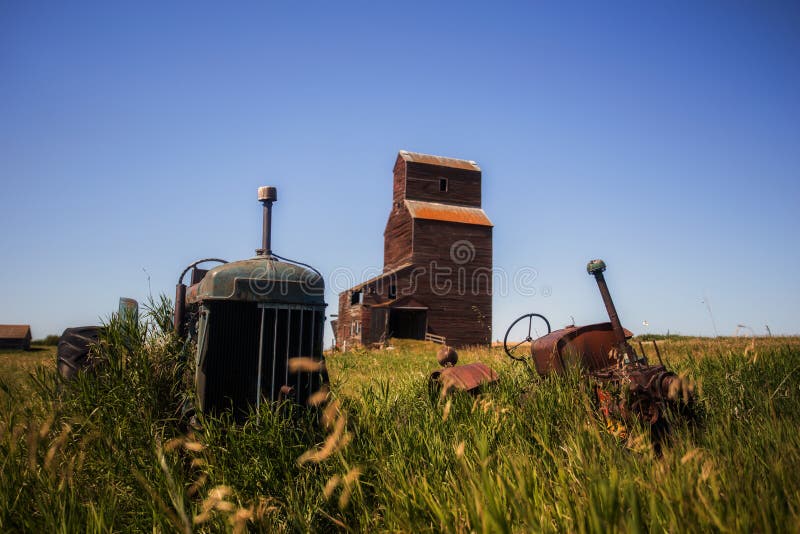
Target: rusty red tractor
{"type": "Point", "coordinates": [625, 384]}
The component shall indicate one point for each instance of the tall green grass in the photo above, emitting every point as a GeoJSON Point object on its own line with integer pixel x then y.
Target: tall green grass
{"type": "Point", "coordinates": [110, 451]}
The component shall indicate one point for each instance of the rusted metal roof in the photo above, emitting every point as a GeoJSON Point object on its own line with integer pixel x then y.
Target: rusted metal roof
{"type": "Point", "coordinates": [14, 331]}
{"type": "Point", "coordinates": [447, 212]}
{"type": "Point", "coordinates": [416, 157]}
{"type": "Point", "coordinates": [405, 303]}
{"type": "Point", "coordinates": [382, 275]}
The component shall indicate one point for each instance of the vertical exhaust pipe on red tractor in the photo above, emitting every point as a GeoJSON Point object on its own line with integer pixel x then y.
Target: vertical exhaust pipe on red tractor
{"type": "Point", "coordinates": [596, 268]}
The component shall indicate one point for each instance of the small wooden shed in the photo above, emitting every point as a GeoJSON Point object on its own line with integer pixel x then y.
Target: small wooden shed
{"type": "Point", "coordinates": [15, 336]}
{"type": "Point", "coordinates": [437, 263]}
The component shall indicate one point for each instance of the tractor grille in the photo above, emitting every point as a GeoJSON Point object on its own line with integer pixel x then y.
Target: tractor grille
{"type": "Point", "coordinates": [237, 333]}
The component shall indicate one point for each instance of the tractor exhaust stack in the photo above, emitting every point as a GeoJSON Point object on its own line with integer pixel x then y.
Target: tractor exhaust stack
{"type": "Point", "coordinates": [267, 195]}
{"type": "Point", "coordinates": [596, 268]}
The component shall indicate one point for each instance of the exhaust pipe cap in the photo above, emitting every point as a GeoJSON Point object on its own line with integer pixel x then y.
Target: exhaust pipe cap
{"type": "Point", "coordinates": [595, 266]}
{"type": "Point", "coordinates": [267, 193]}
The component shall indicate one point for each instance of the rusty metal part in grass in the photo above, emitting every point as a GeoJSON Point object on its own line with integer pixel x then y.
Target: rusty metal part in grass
{"type": "Point", "coordinates": [468, 377]}
{"type": "Point", "coordinates": [286, 393]}
{"type": "Point", "coordinates": [447, 356]}
{"type": "Point", "coordinates": [625, 385]}
{"type": "Point", "coordinates": [592, 347]}
{"type": "Point", "coordinates": [644, 391]}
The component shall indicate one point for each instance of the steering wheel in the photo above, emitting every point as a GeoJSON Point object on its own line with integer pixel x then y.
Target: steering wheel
{"type": "Point", "coordinates": [514, 351]}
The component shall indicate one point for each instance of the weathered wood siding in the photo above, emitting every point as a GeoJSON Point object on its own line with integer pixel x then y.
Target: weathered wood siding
{"type": "Point", "coordinates": [397, 238]}
{"type": "Point", "coordinates": [422, 183]}
{"type": "Point", "coordinates": [399, 182]}
{"type": "Point", "coordinates": [447, 243]}
{"type": "Point", "coordinates": [458, 284]}
{"type": "Point", "coordinates": [350, 315]}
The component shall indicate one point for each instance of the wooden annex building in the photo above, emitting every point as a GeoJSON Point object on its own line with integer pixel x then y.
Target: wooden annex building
{"type": "Point", "coordinates": [437, 261]}
{"type": "Point", "coordinates": [15, 336]}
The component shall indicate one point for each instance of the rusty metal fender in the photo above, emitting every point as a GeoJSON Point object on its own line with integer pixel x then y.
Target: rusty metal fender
{"type": "Point", "coordinates": [468, 377]}
{"type": "Point", "coordinates": [591, 346]}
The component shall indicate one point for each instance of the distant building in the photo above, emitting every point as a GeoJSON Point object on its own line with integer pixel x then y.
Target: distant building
{"type": "Point", "coordinates": [15, 336]}
{"type": "Point", "coordinates": [437, 273]}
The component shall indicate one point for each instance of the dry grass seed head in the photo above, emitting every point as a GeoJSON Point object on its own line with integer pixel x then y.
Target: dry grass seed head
{"type": "Point", "coordinates": [215, 501]}
{"type": "Point", "coordinates": [330, 413]}
{"type": "Point", "coordinates": [330, 486]}
{"type": "Point", "coordinates": [347, 490]}
{"type": "Point", "coordinates": [33, 446]}
{"type": "Point", "coordinates": [173, 444]}
{"type": "Point", "coordinates": [220, 492]}
{"type": "Point", "coordinates": [638, 444]}
{"type": "Point", "coordinates": [240, 518]}
{"type": "Point", "coordinates": [197, 484]}
{"type": "Point", "coordinates": [16, 433]}
{"type": "Point", "coordinates": [352, 475]}
{"type": "Point", "coordinates": [319, 396]}
{"type": "Point", "coordinates": [691, 455]}
{"type": "Point", "coordinates": [446, 411]}
{"type": "Point", "coordinates": [332, 443]}
{"type": "Point", "coordinates": [45, 428]}
{"type": "Point", "coordinates": [305, 364]}
{"type": "Point", "coordinates": [67, 475]}
{"type": "Point", "coordinates": [58, 443]}
{"type": "Point", "coordinates": [193, 446]}
{"type": "Point", "coordinates": [707, 471]}
{"type": "Point", "coordinates": [201, 518]}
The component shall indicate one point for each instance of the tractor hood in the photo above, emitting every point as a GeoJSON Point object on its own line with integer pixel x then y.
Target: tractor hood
{"type": "Point", "coordinates": [260, 279]}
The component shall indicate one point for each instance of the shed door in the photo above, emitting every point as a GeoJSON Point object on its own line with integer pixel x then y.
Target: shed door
{"type": "Point", "coordinates": [378, 324]}
{"type": "Point", "coordinates": [408, 323]}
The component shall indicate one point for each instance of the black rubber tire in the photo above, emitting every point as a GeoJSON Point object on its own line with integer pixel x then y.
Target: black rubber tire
{"type": "Point", "coordinates": [73, 349]}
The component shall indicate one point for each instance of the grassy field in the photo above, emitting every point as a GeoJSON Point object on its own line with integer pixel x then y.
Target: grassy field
{"type": "Point", "coordinates": [17, 365]}
{"type": "Point", "coordinates": [530, 454]}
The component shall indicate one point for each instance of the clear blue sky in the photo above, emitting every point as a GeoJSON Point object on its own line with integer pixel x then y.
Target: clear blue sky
{"type": "Point", "coordinates": [662, 137]}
